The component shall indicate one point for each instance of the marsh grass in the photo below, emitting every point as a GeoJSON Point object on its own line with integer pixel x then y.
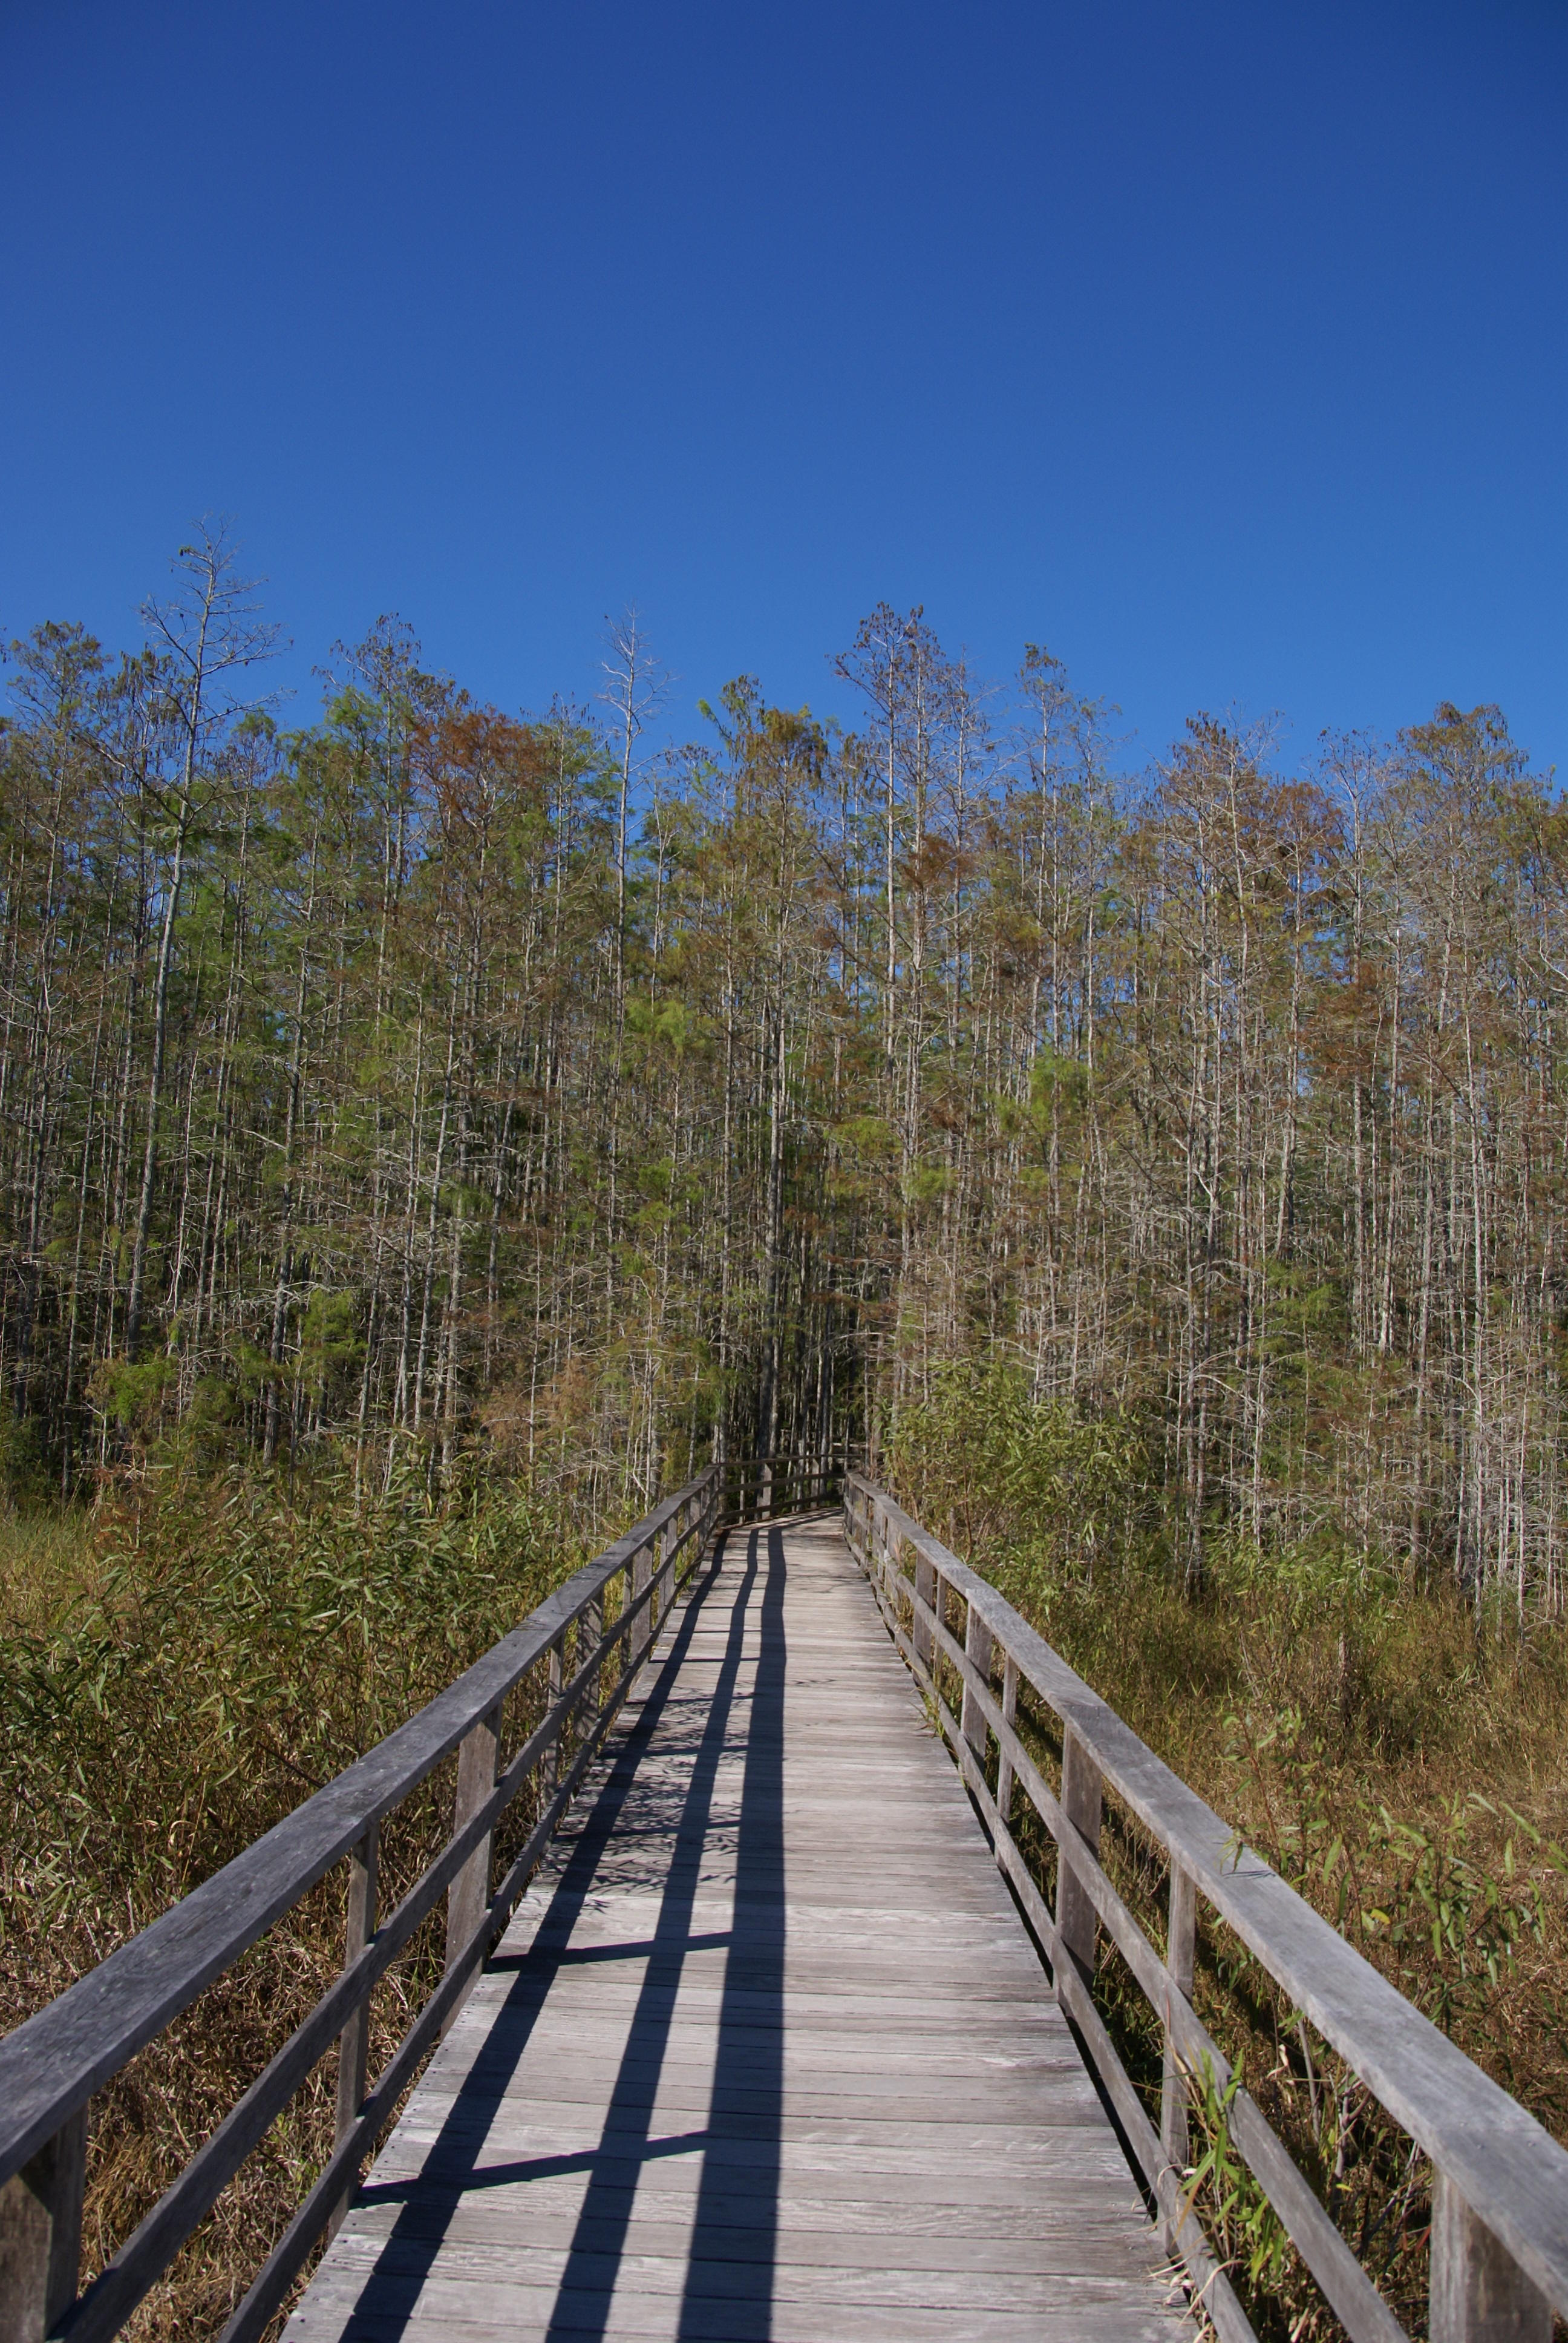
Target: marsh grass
{"type": "Point", "coordinates": [186, 1662]}
{"type": "Point", "coordinates": [1400, 1758]}
{"type": "Point", "coordinates": [181, 1668]}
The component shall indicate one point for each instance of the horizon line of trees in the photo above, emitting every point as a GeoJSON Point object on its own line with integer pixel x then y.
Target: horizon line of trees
{"type": "Point", "coordinates": [428, 1081]}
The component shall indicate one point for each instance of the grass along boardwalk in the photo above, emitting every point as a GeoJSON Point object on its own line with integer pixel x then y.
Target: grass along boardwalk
{"type": "Point", "coordinates": [754, 2043]}
{"type": "Point", "coordinates": [766, 2051]}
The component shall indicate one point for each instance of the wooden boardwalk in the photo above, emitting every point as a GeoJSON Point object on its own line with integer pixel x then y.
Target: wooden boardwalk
{"type": "Point", "coordinates": [766, 2051]}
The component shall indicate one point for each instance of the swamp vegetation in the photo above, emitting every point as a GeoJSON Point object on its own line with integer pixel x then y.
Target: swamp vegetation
{"type": "Point", "coordinates": [428, 1133]}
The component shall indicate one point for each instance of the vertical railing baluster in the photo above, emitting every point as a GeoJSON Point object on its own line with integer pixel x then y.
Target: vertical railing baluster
{"type": "Point", "coordinates": [468, 1897]}
{"type": "Point", "coordinates": [1180, 1947]}
{"type": "Point", "coordinates": [656, 1587]}
{"type": "Point", "coordinates": [41, 2234]}
{"type": "Point", "coordinates": [642, 1571]}
{"type": "Point", "coordinates": [592, 1637]}
{"type": "Point", "coordinates": [550, 1762]}
{"type": "Point", "coordinates": [978, 1651]}
{"type": "Point", "coordinates": [353, 2042]}
{"type": "Point", "coordinates": [666, 1594]}
{"type": "Point", "coordinates": [928, 1592]}
{"type": "Point", "coordinates": [1478, 2292]}
{"type": "Point", "coordinates": [1003, 1762]}
{"type": "Point", "coordinates": [1081, 1801]}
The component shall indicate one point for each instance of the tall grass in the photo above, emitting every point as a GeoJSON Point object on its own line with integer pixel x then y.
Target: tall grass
{"type": "Point", "coordinates": [179, 1669]}
{"type": "Point", "coordinates": [1402, 1760]}
{"type": "Point", "coordinates": [185, 1663]}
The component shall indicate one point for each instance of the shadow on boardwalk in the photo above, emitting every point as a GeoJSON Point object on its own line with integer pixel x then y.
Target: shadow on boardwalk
{"type": "Point", "coordinates": [684, 2111]}
{"type": "Point", "coordinates": [741, 2146]}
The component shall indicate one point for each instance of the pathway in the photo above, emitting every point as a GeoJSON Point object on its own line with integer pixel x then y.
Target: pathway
{"type": "Point", "coordinates": [767, 2052]}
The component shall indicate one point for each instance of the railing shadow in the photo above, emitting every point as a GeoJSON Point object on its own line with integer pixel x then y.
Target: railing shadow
{"type": "Point", "coordinates": [734, 2238]}
{"type": "Point", "coordinates": [732, 2245]}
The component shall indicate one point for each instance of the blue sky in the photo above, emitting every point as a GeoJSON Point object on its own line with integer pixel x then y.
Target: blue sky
{"type": "Point", "coordinates": [1220, 347]}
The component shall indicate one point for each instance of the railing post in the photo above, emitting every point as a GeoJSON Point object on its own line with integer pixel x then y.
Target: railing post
{"type": "Point", "coordinates": [642, 1571]}
{"type": "Point", "coordinates": [922, 1635]}
{"type": "Point", "coordinates": [40, 2235]}
{"type": "Point", "coordinates": [1080, 1803]}
{"type": "Point", "coordinates": [353, 2042]}
{"type": "Point", "coordinates": [1003, 1762]}
{"type": "Point", "coordinates": [469, 1894]}
{"type": "Point", "coordinates": [978, 1651]}
{"type": "Point", "coordinates": [1478, 2292]}
{"type": "Point", "coordinates": [591, 1637]}
{"type": "Point", "coordinates": [659, 1609]}
{"type": "Point", "coordinates": [1180, 1946]}
{"type": "Point", "coordinates": [550, 1762]}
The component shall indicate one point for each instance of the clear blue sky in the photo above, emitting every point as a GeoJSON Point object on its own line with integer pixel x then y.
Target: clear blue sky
{"type": "Point", "coordinates": [1222, 347]}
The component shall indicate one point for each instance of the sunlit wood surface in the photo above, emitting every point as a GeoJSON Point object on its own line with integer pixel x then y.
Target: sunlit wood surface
{"type": "Point", "coordinates": [767, 2051]}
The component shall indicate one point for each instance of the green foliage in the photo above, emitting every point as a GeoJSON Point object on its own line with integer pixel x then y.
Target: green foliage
{"type": "Point", "coordinates": [299, 1634]}
{"type": "Point", "coordinates": [1435, 1900]}
{"type": "Point", "coordinates": [1243, 2226]}
{"type": "Point", "coordinates": [178, 1669]}
{"type": "Point", "coordinates": [1396, 1761]}
{"type": "Point", "coordinates": [1035, 1491]}
{"type": "Point", "coordinates": [1056, 1083]}
{"type": "Point", "coordinates": [329, 1343]}
{"type": "Point", "coordinates": [131, 1393]}
{"type": "Point", "coordinates": [23, 1473]}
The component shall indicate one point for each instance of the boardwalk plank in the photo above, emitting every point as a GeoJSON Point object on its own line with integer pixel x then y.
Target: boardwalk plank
{"type": "Point", "coordinates": [766, 2052]}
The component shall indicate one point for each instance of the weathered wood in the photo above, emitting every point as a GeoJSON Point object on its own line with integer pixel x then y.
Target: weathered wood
{"type": "Point", "coordinates": [1479, 2294]}
{"type": "Point", "coordinates": [665, 1563]}
{"type": "Point", "coordinates": [41, 2234]}
{"type": "Point", "coordinates": [978, 1651]}
{"type": "Point", "coordinates": [52, 2065]}
{"type": "Point", "coordinates": [1181, 1944]}
{"type": "Point", "coordinates": [765, 2050]}
{"type": "Point", "coordinates": [1345, 2284]}
{"type": "Point", "coordinates": [592, 1631]}
{"type": "Point", "coordinates": [641, 1581]}
{"type": "Point", "coordinates": [353, 2043]}
{"type": "Point", "coordinates": [1004, 1761]}
{"type": "Point", "coordinates": [928, 1586]}
{"type": "Point", "coordinates": [289, 2255]}
{"type": "Point", "coordinates": [550, 1762]}
{"type": "Point", "coordinates": [1356, 2301]}
{"type": "Point", "coordinates": [1507, 2166]}
{"type": "Point", "coordinates": [1209, 2282]}
{"type": "Point", "coordinates": [104, 2308]}
{"type": "Point", "coordinates": [137, 2264]}
{"type": "Point", "coordinates": [470, 1891]}
{"type": "Point", "coordinates": [1081, 1799]}
{"type": "Point", "coordinates": [840, 1952]}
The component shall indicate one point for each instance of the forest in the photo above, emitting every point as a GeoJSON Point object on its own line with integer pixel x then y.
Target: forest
{"type": "Point", "coordinates": [428, 1133]}
{"type": "Point", "coordinates": [432, 1088]}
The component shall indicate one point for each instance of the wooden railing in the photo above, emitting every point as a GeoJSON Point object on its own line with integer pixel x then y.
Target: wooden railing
{"type": "Point", "coordinates": [757, 1488]}
{"type": "Point", "coordinates": [1499, 2250]}
{"type": "Point", "coordinates": [561, 1658]}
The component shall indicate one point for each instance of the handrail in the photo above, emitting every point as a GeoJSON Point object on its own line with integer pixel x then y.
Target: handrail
{"type": "Point", "coordinates": [51, 2065]}
{"type": "Point", "coordinates": [785, 1462]}
{"type": "Point", "coordinates": [765, 1486]}
{"type": "Point", "coordinates": [1500, 2230]}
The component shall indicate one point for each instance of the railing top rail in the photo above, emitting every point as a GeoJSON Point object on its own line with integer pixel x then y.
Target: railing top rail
{"type": "Point", "coordinates": [1508, 2166]}
{"type": "Point", "coordinates": [56, 2060]}
{"type": "Point", "coordinates": [810, 1464]}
